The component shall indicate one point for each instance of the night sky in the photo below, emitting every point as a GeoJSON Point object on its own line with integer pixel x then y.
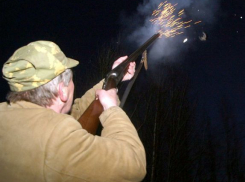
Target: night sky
{"type": "Point", "coordinates": [80, 28]}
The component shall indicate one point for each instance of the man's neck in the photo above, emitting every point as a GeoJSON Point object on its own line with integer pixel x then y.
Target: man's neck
{"type": "Point", "coordinates": [56, 106]}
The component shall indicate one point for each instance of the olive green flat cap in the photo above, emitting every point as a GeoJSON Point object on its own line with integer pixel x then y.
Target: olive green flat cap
{"type": "Point", "coordinates": [34, 65]}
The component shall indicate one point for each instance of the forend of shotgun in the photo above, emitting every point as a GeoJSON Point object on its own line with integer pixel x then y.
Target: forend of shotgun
{"type": "Point", "coordinates": [115, 76]}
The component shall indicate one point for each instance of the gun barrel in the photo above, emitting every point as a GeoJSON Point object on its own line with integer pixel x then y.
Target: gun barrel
{"type": "Point", "coordinates": [118, 72]}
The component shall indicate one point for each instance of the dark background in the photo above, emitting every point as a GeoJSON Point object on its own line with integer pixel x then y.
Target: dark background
{"type": "Point", "coordinates": [215, 67]}
{"type": "Point", "coordinates": [81, 28]}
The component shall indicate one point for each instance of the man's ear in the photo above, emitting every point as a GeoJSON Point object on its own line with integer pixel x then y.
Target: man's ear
{"type": "Point", "coordinates": [63, 92]}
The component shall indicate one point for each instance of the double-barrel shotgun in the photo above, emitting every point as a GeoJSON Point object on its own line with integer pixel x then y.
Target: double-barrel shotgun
{"type": "Point", "coordinates": [90, 118]}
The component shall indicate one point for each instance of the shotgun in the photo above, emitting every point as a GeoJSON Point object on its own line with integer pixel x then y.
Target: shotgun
{"type": "Point", "coordinates": [90, 118]}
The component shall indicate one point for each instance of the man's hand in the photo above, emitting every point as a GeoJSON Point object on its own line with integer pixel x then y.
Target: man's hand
{"type": "Point", "coordinates": [131, 68]}
{"type": "Point", "coordinates": [108, 98]}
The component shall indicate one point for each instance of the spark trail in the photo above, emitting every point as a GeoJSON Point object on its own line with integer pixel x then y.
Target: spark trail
{"type": "Point", "coordinates": [170, 24]}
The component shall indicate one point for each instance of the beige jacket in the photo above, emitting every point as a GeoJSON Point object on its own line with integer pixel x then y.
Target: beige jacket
{"type": "Point", "coordinates": [40, 145]}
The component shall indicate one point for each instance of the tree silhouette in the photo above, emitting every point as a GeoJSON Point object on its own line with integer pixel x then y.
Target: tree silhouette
{"type": "Point", "coordinates": [232, 142]}
{"type": "Point", "coordinates": [165, 125]}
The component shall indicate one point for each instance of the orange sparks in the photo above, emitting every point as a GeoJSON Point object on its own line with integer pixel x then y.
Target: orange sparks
{"type": "Point", "coordinates": [170, 26]}
{"type": "Point", "coordinates": [197, 22]}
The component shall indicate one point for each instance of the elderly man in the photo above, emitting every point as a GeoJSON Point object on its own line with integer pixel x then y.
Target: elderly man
{"type": "Point", "coordinates": [39, 142]}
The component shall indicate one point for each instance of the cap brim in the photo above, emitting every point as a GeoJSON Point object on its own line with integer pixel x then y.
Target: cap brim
{"type": "Point", "coordinates": [71, 63]}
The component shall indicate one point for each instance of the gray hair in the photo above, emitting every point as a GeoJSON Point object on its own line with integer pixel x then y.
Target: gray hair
{"type": "Point", "coordinates": [44, 94]}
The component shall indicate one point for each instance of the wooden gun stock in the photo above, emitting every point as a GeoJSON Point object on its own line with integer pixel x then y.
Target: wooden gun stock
{"type": "Point", "coordinates": [90, 118]}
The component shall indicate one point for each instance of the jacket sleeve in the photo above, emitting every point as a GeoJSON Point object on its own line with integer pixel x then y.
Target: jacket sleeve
{"type": "Point", "coordinates": [81, 104]}
{"type": "Point", "coordinates": [74, 155]}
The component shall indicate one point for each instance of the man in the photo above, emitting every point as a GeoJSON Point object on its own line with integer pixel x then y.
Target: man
{"type": "Point", "coordinates": [40, 142]}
